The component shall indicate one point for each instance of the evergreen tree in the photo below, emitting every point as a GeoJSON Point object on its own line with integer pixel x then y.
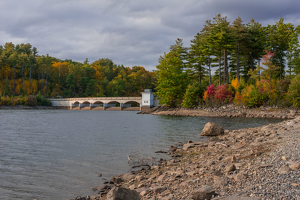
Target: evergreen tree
{"type": "Point", "coordinates": [172, 80]}
{"type": "Point", "coordinates": [279, 37]}
{"type": "Point", "coordinates": [240, 35]}
{"type": "Point", "coordinates": [219, 38]}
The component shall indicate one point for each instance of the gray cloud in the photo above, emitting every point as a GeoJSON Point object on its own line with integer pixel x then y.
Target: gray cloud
{"type": "Point", "coordinates": [129, 32]}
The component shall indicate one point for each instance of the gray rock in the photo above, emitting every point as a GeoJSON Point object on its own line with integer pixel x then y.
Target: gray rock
{"type": "Point", "coordinates": [242, 135]}
{"type": "Point", "coordinates": [221, 183]}
{"type": "Point", "coordinates": [117, 180]}
{"type": "Point", "coordinates": [128, 177]}
{"type": "Point", "coordinates": [212, 129]}
{"type": "Point", "coordinates": [187, 146]}
{"type": "Point", "coordinates": [240, 176]}
{"type": "Point", "coordinates": [104, 187]}
{"type": "Point", "coordinates": [230, 168]}
{"type": "Point", "coordinates": [118, 193]}
{"type": "Point", "coordinates": [295, 165]}
{"type": "Point", "coordinates": [169, 197]}
{"type": "Point", "coordinates": [178, 144]}
{"type": "Point", "coordinates": [159, 189]}
{"type": "Point", "coordinates": [161, 177]}
{"type": "Point", "coordinates": [205, 192]}
{"type": "Point", "coordinates": [139, 178]}
{"type": "Point", "coordinates": [284, 170]}
{"type": "Point", "coordinates": [235, 198]}
{"type": "Point", "coordinates": [145, 190]}
{"type": "Point", "coordinates": [210, 163]}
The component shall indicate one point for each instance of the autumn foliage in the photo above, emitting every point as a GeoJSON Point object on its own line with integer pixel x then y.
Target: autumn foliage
{"type": "Point", "coordinates": [221, 94]}
{"type": "Point", "coordinates": [23, 72]}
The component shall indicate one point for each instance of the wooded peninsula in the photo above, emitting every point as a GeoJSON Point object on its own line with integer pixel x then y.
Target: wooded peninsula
{"type": "Point", "coordinates": [234, 51]}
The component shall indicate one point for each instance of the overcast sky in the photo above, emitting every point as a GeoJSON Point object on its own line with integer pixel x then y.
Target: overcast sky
{"type": "Point", "coordinates": [129, 32]}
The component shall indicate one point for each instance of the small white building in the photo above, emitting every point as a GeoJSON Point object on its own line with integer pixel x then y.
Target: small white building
{"type": "Point", "coordinates": [149, 99]}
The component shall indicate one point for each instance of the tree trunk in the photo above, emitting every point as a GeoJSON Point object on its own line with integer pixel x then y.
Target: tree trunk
{"type": "Point", "coordinates": [238, 61]}
{"type": "Point", "coordinates": [219, 67]}
{"type": "Point", "coordinates": [251, 62]}
{"type": "Point", "coordinates": [200, 77]}
{"type": "Point", "coordinates": [280, 67]}
{"type": "Point", "coordinates": [14, 80]}
{"type": "Point", "coordinates": [226, 68]}
{"type": "Point", "coordinates": [290, 71]}
{"type": "Point", "coordinates": [209, 71]}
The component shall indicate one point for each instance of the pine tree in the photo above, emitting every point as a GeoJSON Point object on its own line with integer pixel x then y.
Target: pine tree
{"type": "Point", "coordinates": [172, 79]}
{"type": "Point", "coordinates": [240, 36]}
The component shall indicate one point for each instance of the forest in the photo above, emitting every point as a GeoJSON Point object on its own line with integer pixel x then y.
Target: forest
{"type": "Point", "coordinates": [28, 78]}
{"type": "Point", "coordinates": [243, 63]}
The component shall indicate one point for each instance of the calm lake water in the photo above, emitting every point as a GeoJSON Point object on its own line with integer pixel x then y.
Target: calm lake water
{"type": "Point", "coordinates": [57, 154]}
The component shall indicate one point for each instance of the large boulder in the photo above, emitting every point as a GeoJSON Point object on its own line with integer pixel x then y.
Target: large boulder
{"type": "Point", "coordinates": [119, 193]}
{"type": "Point", "coordinates": [212, 129]}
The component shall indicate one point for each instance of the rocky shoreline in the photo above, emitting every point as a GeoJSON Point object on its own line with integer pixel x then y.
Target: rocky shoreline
{"type": "Point", "coordinates": [249, 164]}
{"type": "Point", "coordinates": [230, 110]}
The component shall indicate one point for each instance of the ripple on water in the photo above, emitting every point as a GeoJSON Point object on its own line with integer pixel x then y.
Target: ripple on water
{"type": "Point", "coordinates": [57, 154]}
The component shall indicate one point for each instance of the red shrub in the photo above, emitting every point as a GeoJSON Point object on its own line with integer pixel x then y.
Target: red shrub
{"type": "Point", "coordinates": [223, 93]}
{"type": "Point", "coordinates": [211, 90]}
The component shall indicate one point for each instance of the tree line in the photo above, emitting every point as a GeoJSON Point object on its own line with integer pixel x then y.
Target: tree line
{"type": "Point", "coordinates": [24, 72]}
{"type": "Point", "coordinates": [235, 52]}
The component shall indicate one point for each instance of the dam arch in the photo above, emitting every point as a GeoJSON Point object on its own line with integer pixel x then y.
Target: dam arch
{"type": "Point", "coordinates": [146, 101]}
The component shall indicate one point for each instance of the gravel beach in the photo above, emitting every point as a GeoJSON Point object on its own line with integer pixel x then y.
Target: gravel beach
{"type": "Point", "coordinates": [253, 163]}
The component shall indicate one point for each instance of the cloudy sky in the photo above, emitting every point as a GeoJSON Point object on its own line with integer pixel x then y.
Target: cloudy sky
{"type": "Point", "coordinates": [130, 32]}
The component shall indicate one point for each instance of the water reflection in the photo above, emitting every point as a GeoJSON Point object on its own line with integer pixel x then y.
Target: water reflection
{"type": "Point", "coordinates": [57, 154]}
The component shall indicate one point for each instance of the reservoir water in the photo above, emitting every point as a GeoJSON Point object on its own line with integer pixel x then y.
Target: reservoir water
{"type": "Point", "coordinates": [57, 154]}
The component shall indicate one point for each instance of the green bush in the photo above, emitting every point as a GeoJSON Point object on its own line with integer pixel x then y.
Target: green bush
{"type": "Point", "coordinates": [256, 98]}
{"type": "Point", "coordinates": [193, 95]}
{"type": "Point", "coordinates": [41, 101]}
{"type": "Point", "coordinates": [294, 91]}
{"type": "Point", "coordinates": [242, 85]}
{"type": "Point", "coordinates": [5, 101]}
{"type": "Point", "coordinates": [32, 100]}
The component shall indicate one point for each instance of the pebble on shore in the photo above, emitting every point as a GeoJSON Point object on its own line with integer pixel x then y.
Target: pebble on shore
{"type": "Point", "coordinates": [250, 164]}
